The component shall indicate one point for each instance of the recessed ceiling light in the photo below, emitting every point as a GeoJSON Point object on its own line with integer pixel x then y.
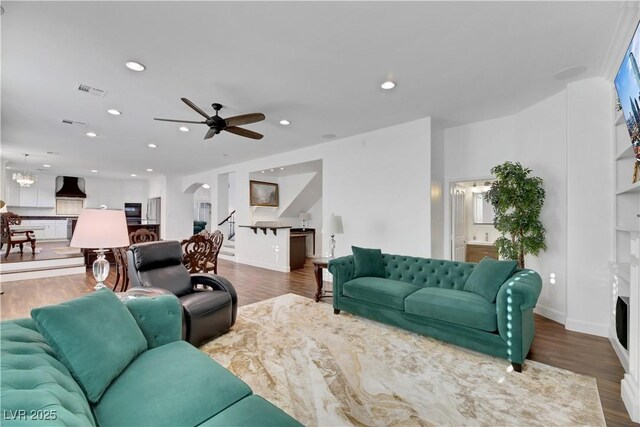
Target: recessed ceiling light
{"type": "Point", "coordinates": [285, 122]}
{"type": "Point", "coordinates": [271, 170]}
{"type": "Point", "coordinates": [281, 169]}
{"type": "Point", "coordinates": [91, 134]}
{"type": "Point", "coordinates": [47, 166]}
{"type": "Point", "coordinates": [262, 171]}
{"type": "Point", "coordinates": [135, 66]}
{"type": "Point", "coordinates": [184, 129]}
{"type": "Point", "coordinates": [94, 170]}
{"type": "Point", "coordinates": [134, 175]}
{"type": "Point", "coordinates": [149, 170]}
{"type": "Point", "coordinates": [8, 167]}
{"type": "Point", "coordinates": [570, 73]}
{"type": "Point", "coordinates": [206, 186]}
{"type": "Point", "coordinates": [152, 146]}
{"type": "Point", "coordinates": [388, 85]}
{"type": "Point", "coordinates": [329, 135]}
{"type": "Point", "coordinates": [113, 112]}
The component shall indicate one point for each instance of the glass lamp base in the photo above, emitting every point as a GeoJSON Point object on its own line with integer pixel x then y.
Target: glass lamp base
{"type": "Point", "coordinates": [332, 245]}
{"type": "Point", "coordinates": [100, 270]}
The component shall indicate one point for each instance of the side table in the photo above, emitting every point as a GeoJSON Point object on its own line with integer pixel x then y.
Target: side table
{"type": "Point", "coordinates": [318, 265]}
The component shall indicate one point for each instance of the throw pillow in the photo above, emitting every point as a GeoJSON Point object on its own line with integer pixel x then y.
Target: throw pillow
{"type": "Point", "coordinates": [368, 262]}
{"type": "Point", "coordinates": [487, 277]}
{"type": "Point", "coordinates": [94, 336]}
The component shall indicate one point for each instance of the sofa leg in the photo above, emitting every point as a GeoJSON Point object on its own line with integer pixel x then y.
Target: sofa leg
{"type": "Point", "coordinates": [517, 367]}
{"type": "Point", "coordinates": [336, 311]}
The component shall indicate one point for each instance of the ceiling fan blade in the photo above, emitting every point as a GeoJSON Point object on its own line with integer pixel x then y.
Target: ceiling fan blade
{"type": "Point", "coordinates": [195, 107]}
{"type": "Point", "coordinates": [179, 121]}
{"type": "Point", "coordinates": [210, 133]}
{"type": "Point", "coordinates": [244, 119]}
{"type": "Point", "coordinates": [244, 132]}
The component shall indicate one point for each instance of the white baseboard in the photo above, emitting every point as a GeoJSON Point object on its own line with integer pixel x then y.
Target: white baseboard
{"type": "Point", "coordinates": [264, 265]}
{"type": "Point", "coordinates": [631, 397]}
{"type": "Point", "coordinates": [599, 329]}
{"type": "Point", "coordinates": [550, 313]}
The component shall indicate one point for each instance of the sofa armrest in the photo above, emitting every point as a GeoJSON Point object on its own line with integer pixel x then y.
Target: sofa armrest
{"type": "Point", "coordinates": [514, 306]}
{"type": "Point", "coordinates": [342, 270]}
{"type": "Point", "coordinates": [217, 282]}
{"type": "Point", "coordinates": [158, 317]}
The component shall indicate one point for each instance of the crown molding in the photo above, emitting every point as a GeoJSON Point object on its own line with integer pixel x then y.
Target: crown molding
{"type": "Point", "coordinates": [627, 23]}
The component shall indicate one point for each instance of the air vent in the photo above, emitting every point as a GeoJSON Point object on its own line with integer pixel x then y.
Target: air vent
{"type": "Point", "coordinates": [91, 90]}
{"type": "Point", "coordinates": [73, 122]}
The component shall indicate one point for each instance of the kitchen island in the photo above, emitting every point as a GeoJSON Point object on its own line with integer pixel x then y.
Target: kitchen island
{"type": "Point", "coordinates": [272, 246]}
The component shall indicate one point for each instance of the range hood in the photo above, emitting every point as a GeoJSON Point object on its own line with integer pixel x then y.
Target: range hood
{"type": "Point", "coordinates": [70, 186]}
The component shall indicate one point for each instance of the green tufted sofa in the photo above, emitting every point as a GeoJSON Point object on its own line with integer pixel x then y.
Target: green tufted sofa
{"type": "Point", "coordinates": [170, 384]}
{"type": "Point", "coordinates": [426, 296]}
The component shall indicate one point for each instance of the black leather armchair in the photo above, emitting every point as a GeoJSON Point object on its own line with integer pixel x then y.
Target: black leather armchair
{"type": "Point", "coordinates": [209, 301]}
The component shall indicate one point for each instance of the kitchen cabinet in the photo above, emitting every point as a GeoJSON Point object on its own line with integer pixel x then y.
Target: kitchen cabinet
{"type": "Point", "coordinates": [53, 228]}
{"type": "Point", "coordinates": [11, 191]}
{"type": "Point", "coordinates": [42, 194]}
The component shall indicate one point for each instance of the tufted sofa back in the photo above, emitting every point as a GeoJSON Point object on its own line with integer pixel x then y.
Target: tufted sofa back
{"type": "Point", "coordinates": [35, 384]}
{"type": "Point", "coordinates": [426, 272]}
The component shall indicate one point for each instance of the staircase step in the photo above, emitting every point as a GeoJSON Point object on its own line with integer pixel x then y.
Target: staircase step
{"type": "Point", "coordinates": [229, 245]}
{"type": "Point", "coordinates": [227, 253]}
{"type": "Point", "coordinates": [226, 257]}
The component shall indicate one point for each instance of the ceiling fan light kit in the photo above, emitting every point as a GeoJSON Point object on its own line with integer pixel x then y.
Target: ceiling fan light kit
{"type": "Point", "coordinates": [218, 124]}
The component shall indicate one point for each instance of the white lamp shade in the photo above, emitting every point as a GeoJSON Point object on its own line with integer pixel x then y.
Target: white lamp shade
{"type": "Point", "coordinates": [334, 225]}
{"type": "Point", "coordinates": [304, 216]}
{"type": "Point", "coordinates": [99, 229]}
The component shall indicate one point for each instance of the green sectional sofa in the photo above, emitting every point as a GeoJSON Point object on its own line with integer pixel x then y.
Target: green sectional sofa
{"type": "Point", "coordinates": [428, 296]}
{"type": "Point", "coordinates": [170, 383]}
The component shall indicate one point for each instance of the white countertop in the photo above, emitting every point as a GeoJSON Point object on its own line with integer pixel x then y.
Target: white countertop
{"type": "Point", "coordinates": [479, 242]}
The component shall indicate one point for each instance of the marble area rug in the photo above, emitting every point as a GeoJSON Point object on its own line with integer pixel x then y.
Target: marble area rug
{"type": "Point", "coordinates": [328, 370]}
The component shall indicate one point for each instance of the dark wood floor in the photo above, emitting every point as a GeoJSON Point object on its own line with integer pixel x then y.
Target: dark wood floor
{"type": "Point", "coordinates": [45, 251]}
{"type": "Point", "coordinates": [553, 345]}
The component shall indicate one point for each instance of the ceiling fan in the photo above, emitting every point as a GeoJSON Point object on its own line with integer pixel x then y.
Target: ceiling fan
{"type": "Point", "coordinates": [217, 124]}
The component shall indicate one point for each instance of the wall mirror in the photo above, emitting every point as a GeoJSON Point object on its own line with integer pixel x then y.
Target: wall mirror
{"type": "Point", "coordinates": [482, 211]}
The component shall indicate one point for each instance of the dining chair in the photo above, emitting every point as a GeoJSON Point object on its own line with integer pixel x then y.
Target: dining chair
{"type": "Point", "coordinates": [14, 238]}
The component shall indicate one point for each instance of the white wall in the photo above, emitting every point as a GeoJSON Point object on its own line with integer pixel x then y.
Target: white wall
{"type": "Point", "coordinates": [177, 208]}
{"type": "Point", "coordinates": [371, 180]}
{"type": "Point", "coordinates": [590, 211]}
{"type": "Point", "coordinates": [544, 137]}
{"type": "Point", "coordinates": [437, 189]}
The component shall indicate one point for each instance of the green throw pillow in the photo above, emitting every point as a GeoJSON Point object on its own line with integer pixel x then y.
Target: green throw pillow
{"type": "Point", "coordinates": [94, 336]}
{"type": "Point", "coordinates": [487, 277]}
{"type": "Point", "coordinates": [368, 262]}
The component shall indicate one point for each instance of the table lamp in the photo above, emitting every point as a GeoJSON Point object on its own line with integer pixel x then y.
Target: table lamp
{"type": "Point", "coordinates": [333, 227]}
{"type": "Point", "coordinates": [304, 216]}
{"type": "Point", "coordinates": [101, 229]}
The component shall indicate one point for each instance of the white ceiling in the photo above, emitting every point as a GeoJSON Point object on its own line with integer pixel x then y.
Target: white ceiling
{"type": "Point", "coordinates": [317, 64]}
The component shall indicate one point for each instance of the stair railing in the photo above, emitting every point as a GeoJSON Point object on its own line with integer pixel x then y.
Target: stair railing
{"type": "Point", "coordinates": [231, 220]}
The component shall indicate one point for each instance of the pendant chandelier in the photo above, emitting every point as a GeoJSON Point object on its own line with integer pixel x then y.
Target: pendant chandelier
{"type": "Point", "coordinates": [25, 179]}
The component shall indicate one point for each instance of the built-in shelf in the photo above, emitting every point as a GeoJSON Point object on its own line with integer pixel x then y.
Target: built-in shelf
{"type": "Point", "coordinates": [626, 153]}
{"type": "Point", "coordinates": [619, 118]}
{"type": "Point", "coordinates": [633, 188]}
{"type": "Point", "coordinates": [627, 229]}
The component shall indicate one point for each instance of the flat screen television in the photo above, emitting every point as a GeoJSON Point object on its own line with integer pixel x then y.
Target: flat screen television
{"type": "Point", "coordinates": [628, 87]}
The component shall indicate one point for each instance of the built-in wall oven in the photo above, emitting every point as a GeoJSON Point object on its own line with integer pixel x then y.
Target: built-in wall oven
{"type": "Point", "coordinates": [133, 212]}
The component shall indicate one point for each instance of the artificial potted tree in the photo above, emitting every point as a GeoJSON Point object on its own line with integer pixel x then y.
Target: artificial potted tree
{"type": "Point", "coordinates": [517, 199]}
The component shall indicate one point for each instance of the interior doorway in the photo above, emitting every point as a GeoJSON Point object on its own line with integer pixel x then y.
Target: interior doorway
{"type": "Point", "coordinates": [472, 233]}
